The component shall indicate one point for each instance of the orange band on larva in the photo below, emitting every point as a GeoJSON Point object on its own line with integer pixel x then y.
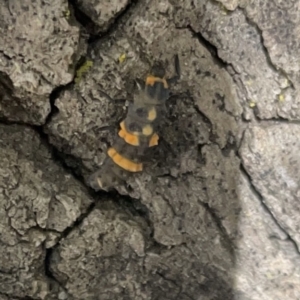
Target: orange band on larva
{"type": "Point", "coordinates": [154, 140]}
{"type": "Point", "coordinates": [129, 138]}
{"type": "Point", "coordinates": [123, 162]}
{"type": "Point", "coordinates": [122, 125]}
{"type": "Point", "coordinates": [150, 80]}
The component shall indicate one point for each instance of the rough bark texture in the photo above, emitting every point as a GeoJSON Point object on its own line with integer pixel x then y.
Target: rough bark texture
{"type": "Point", "coordinates": [215, 215]}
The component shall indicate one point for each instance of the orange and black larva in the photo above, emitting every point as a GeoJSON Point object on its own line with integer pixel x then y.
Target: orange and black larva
{"type": "Point", "coordinates": [137, 131]}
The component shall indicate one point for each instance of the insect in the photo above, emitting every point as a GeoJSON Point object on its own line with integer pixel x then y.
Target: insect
{"type": "Point", "coordinates": [137, 131]}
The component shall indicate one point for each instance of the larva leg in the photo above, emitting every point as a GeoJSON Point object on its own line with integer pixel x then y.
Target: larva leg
{"type": "Point", "coordinates": [122, 101]}
{"type": "Point", "coordinates": [175, 78]}
{"type": "Point", "coordinates": [104, 178]}
{"type": "Point", "coordinates": [140, 84]}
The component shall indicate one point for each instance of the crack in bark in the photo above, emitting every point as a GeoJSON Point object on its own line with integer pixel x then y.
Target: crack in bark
{"type": "Point", "coordinates": [82, 18]}
{"type": "Point", "coordinates": [277, 121]}
{"type": "Point", "coordinates": [265, 49]}
{"type": "Point", "coordinates": [272, 120]}
{"type": "Point", "coordinates": [213, 50]}
{"type": "Point", "coordinates": [272, 65]}
{"type": "Point", "coordinates": [223, 233]}
{"type": "Point", "coordinates": [265, 206]}
{"type": "Point", "coordinates": [16, 297]}
{"type": "Point", "coordinates": [229, 67]}
{"type": "Point", "coordinates": [172, 281]}
{"type": "Point", "coordinates": [91, 27]}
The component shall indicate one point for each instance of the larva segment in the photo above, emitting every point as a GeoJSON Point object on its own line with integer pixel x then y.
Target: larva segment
{"type": "Point", "coordinates": [123, 162]}
{"type": "Point", "coordinates": [134, 140]}
{"type": "Point", "coordinates": [129, 138]}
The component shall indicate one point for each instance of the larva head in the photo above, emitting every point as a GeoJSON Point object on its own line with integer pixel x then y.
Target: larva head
{"type": "Point", "coordinates": [158, 70]}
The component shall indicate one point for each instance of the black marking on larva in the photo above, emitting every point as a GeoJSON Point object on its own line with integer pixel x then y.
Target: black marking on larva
{"type": "Point", "coordinates": [134, 127]}
{"type": "Point", "coordinates": [142, 112]}
{"type": "Point", "coordinates": [134, 117]}
{"type": "Point", "coordinates": [133, 153]}
{"type": "Point", "coordinates": [158, 92]}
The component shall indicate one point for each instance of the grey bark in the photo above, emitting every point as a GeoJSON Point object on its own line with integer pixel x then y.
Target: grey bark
{"type": "Point", "coordinates": [215, 215]}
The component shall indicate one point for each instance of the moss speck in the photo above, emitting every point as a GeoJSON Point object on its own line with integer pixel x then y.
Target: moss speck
{"type": "Point", "coordinates": [84, 68]}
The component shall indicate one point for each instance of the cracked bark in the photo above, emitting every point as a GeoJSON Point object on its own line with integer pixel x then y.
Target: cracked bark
{"type": "Point", "coordinates": [265, 206]}
{"type": "Point", "coordinates": [183, 228]}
